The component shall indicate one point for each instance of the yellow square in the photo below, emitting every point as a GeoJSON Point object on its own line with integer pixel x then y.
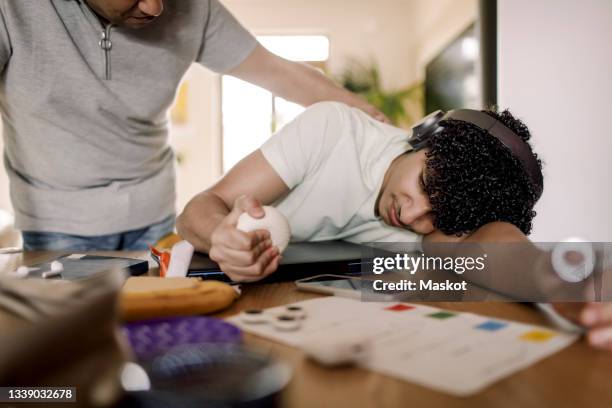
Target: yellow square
{"type": "Point", "coordinates": [537, 336]}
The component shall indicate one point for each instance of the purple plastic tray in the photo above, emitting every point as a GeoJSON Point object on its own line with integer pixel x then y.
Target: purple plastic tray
{"type": "Point", "coordinates": [149, 338]}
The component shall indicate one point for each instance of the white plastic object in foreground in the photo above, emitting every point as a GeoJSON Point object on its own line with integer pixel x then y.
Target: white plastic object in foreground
{"type": "Point", "coordinates": [573, 272]}
{"type": "Point", "coordinates": [180, 259]}
{"type": "Point", "coordinates": [334, 351]}
{"type": "Point", "coordinates": [274, 221]}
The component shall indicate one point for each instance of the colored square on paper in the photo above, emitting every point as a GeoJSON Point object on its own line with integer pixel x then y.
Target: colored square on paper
{"type": "Point", "coordinates": [537, 336]}
{"type": "Point", "coordinates": [399, 308]}
{"type": "Point", "coordinates": [442, 315]}
{"type": "Point", "coordinates": [491, 325]}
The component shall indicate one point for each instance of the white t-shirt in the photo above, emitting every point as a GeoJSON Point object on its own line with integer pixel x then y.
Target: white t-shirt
{"type": "Point", "coordinates": [333, 159]}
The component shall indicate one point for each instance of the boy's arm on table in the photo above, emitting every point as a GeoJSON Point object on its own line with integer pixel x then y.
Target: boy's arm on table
{"type": "Point", "coordinates": [209, 220]}
{"type": "Point", "coordinates": [514, 266]}
{"type": "Point", "coordinates": [518, 267]}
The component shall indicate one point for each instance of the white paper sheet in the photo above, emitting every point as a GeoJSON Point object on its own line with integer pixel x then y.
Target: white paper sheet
{"type": "Point", "coordinates": [455, 353]}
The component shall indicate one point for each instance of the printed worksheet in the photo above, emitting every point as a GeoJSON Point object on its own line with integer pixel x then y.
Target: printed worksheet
{"type": "Point", "coordinates": [455, 353]}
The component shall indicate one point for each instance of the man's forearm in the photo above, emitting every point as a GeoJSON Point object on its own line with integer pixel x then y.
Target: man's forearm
{"type": "Point", "coordinates": [314, 87]}
{"type": "Point", "coordinates": [200, 218]}
{"type": "Point", "coordinates": [294, 81]}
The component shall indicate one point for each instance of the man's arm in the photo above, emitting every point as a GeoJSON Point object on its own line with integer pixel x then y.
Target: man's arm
{"type": "Point", "coordinates": [209, 219]}
{"type": "Point", "coordinates": [297, 82]}
{"type": "Point", "coordinates": [519, 267]}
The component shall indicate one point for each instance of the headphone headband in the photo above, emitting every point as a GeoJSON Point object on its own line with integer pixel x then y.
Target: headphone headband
{"type": "Point", "coordinates": [422, 133]}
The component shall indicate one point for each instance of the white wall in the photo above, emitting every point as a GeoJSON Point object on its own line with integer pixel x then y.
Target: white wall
{"type": "Point", "coordinates": [382, 30]}
{"type": "Point", "coordinates": [438, 23]}
{"type": "Point", "coordinates": [555, 72]}
{"type": "Point", "coordinates": [199, 141]}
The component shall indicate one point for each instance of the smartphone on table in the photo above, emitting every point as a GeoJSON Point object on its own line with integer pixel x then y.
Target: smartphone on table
{"type": "Point", "coordinates": [338, 285]}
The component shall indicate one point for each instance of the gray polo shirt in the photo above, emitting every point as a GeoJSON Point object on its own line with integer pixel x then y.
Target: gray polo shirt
{"type": "Point", "coordinates": [85, 121]}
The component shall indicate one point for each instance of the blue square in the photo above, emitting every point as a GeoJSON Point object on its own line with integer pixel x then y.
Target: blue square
{"type": "Point", "coordinates": [491, 325]}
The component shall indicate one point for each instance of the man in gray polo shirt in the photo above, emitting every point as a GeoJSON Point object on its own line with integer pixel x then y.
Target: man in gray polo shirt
{"type": "Point", "coordinates": [84, 92]}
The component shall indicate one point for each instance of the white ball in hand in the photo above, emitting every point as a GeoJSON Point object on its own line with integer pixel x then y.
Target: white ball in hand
{"type": "Point", "coordinates": [274, 221]}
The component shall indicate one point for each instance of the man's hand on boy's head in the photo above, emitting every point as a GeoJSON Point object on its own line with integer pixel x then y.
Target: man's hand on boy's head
{"type": "Point", "coordinates": [596, 317]}
{"type": "Point", "coordinates": [243, 256]}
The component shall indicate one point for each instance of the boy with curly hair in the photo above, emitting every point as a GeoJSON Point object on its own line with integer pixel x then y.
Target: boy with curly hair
{"type": "Point", "coordinates": [338, 174]}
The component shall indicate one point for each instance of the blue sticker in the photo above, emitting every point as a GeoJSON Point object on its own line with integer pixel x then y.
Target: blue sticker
{"type": "Point", "coordinates": [491, 325]}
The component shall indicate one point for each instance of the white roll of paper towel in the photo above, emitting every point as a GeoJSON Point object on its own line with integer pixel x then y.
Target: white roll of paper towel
{"type": "Point", "coordinates": [274, 221]}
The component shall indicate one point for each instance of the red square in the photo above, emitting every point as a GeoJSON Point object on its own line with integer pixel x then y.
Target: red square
{"type": "Point", "coordinates": [399, 308]}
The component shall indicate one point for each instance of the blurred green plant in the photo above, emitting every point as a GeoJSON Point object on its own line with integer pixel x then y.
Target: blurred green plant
{"type": "Point", "coordinates": [365, 80]}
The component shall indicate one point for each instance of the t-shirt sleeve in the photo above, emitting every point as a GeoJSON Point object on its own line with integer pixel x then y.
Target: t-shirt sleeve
{"type": "Point", "coordinates": [303, 145]}
{"type": "Point", "coordinates": [5, 42]}
{"type": "Point", "coordinates": [226, 42]}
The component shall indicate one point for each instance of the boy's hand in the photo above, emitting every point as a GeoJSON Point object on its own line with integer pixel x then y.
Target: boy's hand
{"type": "Point", "coordinates": [595, 316]}
{"type": "Point", "coordinates": [243, 256]}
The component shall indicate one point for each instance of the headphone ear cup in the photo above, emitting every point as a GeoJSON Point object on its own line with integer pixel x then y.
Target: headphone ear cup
{"type": "Point", "coordinates": [425, 129]}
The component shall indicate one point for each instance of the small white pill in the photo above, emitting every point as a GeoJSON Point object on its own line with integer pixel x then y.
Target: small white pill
{"type": "Point", "coordinates": [51, 274]}
{"type": "Point", "coordinates": [57, 266]}
{"type": "Point", "coordinates": [296, 311]}
{"type": "Point", "coordinates": [254, 316]}
{"type": "Point", "coordinates": [274, 221]}
{"type": "Point", "coordinates": [286, 323]}
{"type": "Point", "coordinates": [21, 272]}
{"type": "Point", "coordinates": [134, 378]}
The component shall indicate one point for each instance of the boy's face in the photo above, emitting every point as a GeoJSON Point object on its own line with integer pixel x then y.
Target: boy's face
{"type": "Point", "coordinates": [128, 13]}
{"type": "Point", "coordinates": [403, 202]}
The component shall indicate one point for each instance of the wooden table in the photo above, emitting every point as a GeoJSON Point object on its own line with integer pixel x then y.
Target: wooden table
{"type": "Point", "coordinates": [578, 376]}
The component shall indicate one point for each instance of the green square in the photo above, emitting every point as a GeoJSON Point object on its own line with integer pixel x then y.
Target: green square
{"type": "Point", "coordinates": [442, 315]}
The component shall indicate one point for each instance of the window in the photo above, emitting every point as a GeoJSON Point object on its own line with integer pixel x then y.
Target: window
{"type": "Point", "coordinates": [250, 115]}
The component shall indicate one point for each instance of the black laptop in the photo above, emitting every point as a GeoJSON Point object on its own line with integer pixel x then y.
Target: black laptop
{"type": "Point", "coordinates": [300, 260]}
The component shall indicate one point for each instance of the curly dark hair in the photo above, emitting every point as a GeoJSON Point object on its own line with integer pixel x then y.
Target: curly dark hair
{"type": "Point", "coordinates": [472, 179]}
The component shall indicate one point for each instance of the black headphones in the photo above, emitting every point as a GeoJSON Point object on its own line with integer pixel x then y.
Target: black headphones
{"type": "Point", "coordinates": [430, 125]}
